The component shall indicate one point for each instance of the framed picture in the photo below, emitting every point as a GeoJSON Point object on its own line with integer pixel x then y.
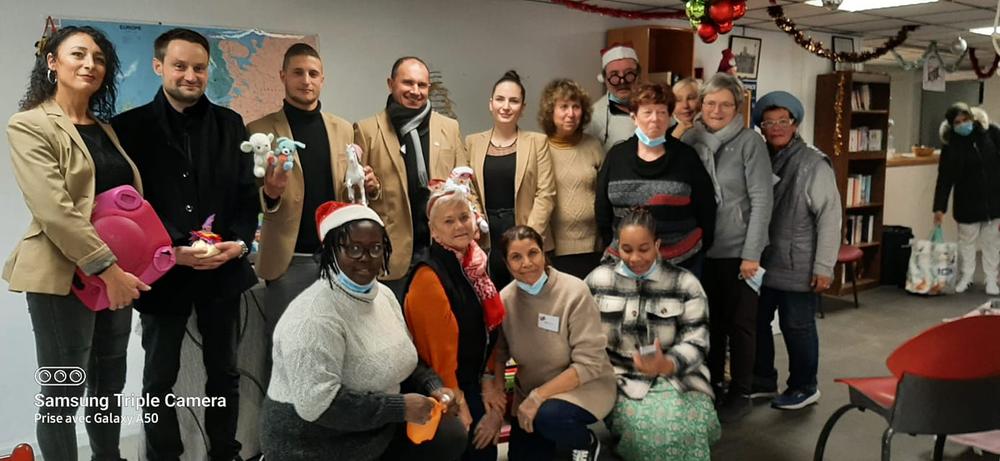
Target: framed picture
{"type": "Point", "coordinates": [843, 44]}
{"type": "Point", "coordinates": [746, 52]}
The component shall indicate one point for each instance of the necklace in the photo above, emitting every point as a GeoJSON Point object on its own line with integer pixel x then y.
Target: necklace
{"type": "Point", "coordinates": [503, 147]}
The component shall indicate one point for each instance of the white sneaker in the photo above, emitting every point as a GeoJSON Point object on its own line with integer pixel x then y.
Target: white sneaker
{"type": "Point", "coordinates": [992, 289]}
{"type": "Point", "coordinates": [962, 285]}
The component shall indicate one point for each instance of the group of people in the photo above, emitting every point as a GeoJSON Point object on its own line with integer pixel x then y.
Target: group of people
{"type": "Point", "coordinates": [617, 259]}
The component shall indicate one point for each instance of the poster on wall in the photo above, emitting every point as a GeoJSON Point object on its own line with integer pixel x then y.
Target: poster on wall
{"type": "Point", "coordinates": [243, 72]}
{"type": "Point", "coordinates": [746, 51]}
{"type": "Point", "coordinates": [933, 74]}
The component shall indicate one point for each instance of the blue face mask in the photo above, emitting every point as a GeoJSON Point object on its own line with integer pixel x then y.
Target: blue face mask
{"type": "Point", "coordinates": [964, 128]}
{"type": "Point", "coordinates": [535, 288]}
{"type": "Point", "coordinates": [632, 275]}
{"type": "Point", "coordinates": [615, 99]}
{"type": "Point", "coordinates": [351, 285]}
{"type": "Point", "coordinates": [649, 142]}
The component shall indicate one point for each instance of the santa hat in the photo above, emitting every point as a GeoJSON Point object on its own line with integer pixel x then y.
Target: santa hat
{"type": "Point", "coordinates": [728, 60]}
{"type": "Point", "coordinates": [332, 215]}
{"type": "Point", "coordinates": [615, 52]}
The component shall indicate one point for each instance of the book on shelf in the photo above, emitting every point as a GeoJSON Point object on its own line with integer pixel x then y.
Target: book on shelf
{"type": "Point", "coordinates": [860, 229]}
{"type": "Point", "coordinates": [864, 139]}
{"type": "Point", "coordinates": [859, 189]}
{"type": "Point", "coordinates": [861, 97]}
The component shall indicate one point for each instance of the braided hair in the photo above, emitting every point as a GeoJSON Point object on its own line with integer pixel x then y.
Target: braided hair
{"type": "Point", "coordinates": [338, 236]}
{"type": "Point", "coordinates": [638, 216]}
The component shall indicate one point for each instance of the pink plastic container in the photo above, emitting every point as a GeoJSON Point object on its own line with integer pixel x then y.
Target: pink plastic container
{"type": "Point", "coordinates": [129, 226]}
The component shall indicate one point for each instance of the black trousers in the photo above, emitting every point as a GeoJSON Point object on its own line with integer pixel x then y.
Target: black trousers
{"type": "Point", "coordinates": [732, 307]}
{"type": "Point", "coordinates": [162, 335]}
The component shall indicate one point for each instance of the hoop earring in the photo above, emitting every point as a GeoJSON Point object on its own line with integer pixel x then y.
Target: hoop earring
{"type": "Point", "coordinates": [48, 76]}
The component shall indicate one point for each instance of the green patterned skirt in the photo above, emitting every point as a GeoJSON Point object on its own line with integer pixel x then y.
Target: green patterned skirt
{"type": "Point", "coordinates": [667, 425]}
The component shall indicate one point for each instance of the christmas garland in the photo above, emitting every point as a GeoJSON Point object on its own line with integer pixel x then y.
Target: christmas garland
{"type": "Point", "coordinates": [617, 13]}
{"type": "Point", "coordinates": [975, 65]}
{"type": "Point", "coordinates": [817, 48]}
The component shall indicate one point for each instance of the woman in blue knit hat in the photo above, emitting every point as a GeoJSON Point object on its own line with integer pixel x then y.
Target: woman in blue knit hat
{"type": "Point", "coordinates": [804, 241]}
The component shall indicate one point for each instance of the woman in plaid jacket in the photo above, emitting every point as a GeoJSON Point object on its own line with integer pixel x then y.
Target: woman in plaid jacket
{"type": "Point", "coordinates": [655, 316]}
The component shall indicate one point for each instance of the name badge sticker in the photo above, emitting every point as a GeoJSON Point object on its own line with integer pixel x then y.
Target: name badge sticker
{"type": "Point", "coordinates": [548, 322]}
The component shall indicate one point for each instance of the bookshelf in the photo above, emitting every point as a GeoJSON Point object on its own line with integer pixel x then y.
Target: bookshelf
{"type": "Point", "coordinates": [860, 166]}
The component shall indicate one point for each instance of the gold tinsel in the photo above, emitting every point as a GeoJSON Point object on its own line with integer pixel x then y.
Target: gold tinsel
{"type": "Point", "coordinates": [817, 48]}
{"type": "Point", "coordinates": [838, 109]}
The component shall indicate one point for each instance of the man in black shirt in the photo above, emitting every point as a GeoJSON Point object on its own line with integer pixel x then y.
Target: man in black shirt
{"type": "Point", "coordinates": [288, 238]}
{"type": "Point", "coordinates": [187, 152]}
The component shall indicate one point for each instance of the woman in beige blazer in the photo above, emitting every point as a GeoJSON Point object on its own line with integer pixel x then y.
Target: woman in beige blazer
{"type": "Point", "coordinates": [513, 172]}
{"type": "Point", "coordinates": [63, 155]}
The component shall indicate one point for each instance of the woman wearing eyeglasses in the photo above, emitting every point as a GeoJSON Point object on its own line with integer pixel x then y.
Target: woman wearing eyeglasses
{"type": "Point", "coordinates": [346, 376]}
{"type": "Point", "coordinates": [736, 159]}
{"type": "Point", "coordinates": [660, 173]}
{"type": "Point", "coordinates": [453, 310]}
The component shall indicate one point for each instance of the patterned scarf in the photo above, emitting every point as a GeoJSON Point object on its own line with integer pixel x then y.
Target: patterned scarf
{"type": "Point", "coordinates": [474, 265]}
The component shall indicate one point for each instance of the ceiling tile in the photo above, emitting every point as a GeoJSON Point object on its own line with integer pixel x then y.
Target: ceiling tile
{"type": "Point", "coordinates": [833, 19]}
{"type": "Point", "coordinates": [869, 26]}
{"type": "Point", "coordinates": [919, 10]}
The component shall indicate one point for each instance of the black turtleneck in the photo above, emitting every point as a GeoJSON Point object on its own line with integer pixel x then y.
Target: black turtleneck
{"type": "Point", "coordinates": [308, 128]}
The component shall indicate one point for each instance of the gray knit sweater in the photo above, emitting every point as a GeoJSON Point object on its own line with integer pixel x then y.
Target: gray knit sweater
{"type": "Point", "coordinates": [737, 160]}
{"type": "Point", "coordinates": [339, 360]}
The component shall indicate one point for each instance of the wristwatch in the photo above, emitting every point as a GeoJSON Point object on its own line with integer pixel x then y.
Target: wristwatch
{"type": "Point", "coordinates": [243, 248]}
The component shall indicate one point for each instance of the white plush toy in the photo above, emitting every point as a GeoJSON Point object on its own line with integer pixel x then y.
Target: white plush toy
{"type": "Point", "coordinates": [260, 145]}
{"type": "Point", "coordinates": [355, 174]}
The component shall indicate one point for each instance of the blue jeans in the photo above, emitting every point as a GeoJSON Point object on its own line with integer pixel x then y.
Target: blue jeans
{"type": "Point", "coordinates": [67, 334]}
{"type": "Point", "coordinates": [797, 319]}
{"type": "Point", "coordinates": [558, 425]}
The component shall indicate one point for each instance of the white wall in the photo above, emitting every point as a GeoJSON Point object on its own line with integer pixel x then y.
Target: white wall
{"type": "Point", "coordinates": [471, 42]}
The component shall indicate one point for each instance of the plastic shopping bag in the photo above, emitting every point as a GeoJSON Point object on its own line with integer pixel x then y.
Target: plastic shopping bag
{"type": "Point", "coordinates": [933, 268]}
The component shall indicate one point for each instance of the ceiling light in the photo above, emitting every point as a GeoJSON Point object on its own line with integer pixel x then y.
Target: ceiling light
{"type": "Point", "coordinates": [862, 5]}
{"type": "Point", "coordinates": [985, 30]}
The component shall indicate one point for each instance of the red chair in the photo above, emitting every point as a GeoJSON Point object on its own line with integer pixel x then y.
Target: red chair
{"type": "Point", "coordinates": [21, 452]}
{"type": "Point", "coordinates": [944, 381]}
{"type": "Point", "coordinates": [849, 256]}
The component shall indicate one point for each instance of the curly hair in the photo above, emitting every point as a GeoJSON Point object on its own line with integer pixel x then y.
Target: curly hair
{"type": "Point", "coordinates": [652, 93]}
{"type": "Point", "coordinates": [559, 89]}
{"type": "Point", "coordinates": [40, 89]}
{"type": "Point", "coordinates": [340, 235]}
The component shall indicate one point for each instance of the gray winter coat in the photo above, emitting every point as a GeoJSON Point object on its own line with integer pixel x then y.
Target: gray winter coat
{"type": "Point", "coordinates": [736, 158]}
{"type": "Point", "coordinates": [805, 225]}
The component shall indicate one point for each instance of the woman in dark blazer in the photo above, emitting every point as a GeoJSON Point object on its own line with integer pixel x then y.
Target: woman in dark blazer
{"type": "Point", "coordinates": [63, 155]}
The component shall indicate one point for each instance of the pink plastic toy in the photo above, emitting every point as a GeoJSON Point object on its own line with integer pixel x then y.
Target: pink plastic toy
{"type": "Point", "coordinates": [129, 226]}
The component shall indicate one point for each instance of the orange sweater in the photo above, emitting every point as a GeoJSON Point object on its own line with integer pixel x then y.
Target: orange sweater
{"type": "Point", "coordinates": [432, 325]}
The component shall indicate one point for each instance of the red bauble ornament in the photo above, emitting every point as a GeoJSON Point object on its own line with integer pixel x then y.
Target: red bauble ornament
{"type": "Point", "coordinates": [707, 32]}
{"type": "Point", "coordinates": [726, 27]}
{"type": "Point", "coordinates": [739, 9]}
{"type": "Point", "coordinates": [721, 11]}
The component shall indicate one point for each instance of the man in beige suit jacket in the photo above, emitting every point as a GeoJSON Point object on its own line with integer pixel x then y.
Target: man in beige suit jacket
{"type": "Point", "coordinates": [407, 145]}
{"type": "Point", "coordinates": [288, 236]}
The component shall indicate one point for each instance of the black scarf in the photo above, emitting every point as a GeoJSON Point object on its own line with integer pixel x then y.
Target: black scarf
{"type": "Point", "coordinates": [399, 116]}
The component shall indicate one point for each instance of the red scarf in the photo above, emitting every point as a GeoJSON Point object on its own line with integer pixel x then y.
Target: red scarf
{"type": "Point", "coordinates": [474, 265]}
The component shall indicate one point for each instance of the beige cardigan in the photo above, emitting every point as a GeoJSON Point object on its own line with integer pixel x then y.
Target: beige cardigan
{"type": "Point", "coordinates": [541, 355]}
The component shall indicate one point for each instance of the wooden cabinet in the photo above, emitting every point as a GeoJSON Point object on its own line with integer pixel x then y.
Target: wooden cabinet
{"type": "Point", "coordinates": [860, 164]}
{"type": "Point", "coordinates": [661, 49]}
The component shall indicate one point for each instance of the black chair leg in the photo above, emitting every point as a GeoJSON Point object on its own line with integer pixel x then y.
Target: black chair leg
{"type": "Point", "coordinates": [819, 308]}
{"type": "Point", "coordinates": [939, 447]}
{"type": "Point", "coordinates": [887, 443]}
{"type": "Point", "coordinates": [828, 427]}
{"type": "Point", "coordinates": [854, 282]}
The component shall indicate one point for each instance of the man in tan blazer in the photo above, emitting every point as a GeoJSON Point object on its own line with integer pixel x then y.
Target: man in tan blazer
{"type": "Point", "coordinates": [407, 145]}
{"type": "Point", "coordinates": [288, 237]}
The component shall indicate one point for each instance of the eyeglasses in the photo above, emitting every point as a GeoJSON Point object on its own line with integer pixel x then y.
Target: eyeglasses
{"type": "Point", "coordinates": [712, 105]}
{"type": "Point", "coordinates": [784, 123]}
{"type": "Point", "coordinates": [355, 251]}
{"type": "Point", "coordinates": [627, 77]}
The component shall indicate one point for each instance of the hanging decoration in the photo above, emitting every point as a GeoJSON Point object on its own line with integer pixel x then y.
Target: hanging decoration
{"type": "Point", "coordinates": [711, 18]}
{"type": "Point", "coordinates": [933, 52]}
{"type": "Point", "coordinates": [817, 48]}
{"type": "Point", "coordinates": [838, 109]}
{"type": "Point", "coordinates": [983, 74]}
{"type": "Point", "coordinates": [619, 13]}
{"type": "Point", "coordinates": [48, 29]}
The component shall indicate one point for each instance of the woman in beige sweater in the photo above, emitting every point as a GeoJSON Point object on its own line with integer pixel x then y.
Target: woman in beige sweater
{"type": "Point", "coordinates": [552, 330]}
{"type": "Point", "coordinates": [576, 158]}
